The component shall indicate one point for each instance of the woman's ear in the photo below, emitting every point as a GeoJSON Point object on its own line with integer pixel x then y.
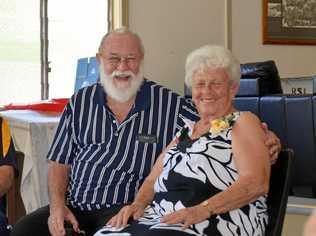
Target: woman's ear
{"type": "Point", "coordinates": [234, 87]}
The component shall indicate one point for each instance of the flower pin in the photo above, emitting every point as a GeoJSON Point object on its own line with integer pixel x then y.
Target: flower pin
{"type": "Point", "coordinates": [218, 125]}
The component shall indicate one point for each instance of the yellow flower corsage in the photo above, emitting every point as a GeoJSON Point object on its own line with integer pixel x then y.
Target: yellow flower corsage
{"type": "Point", "coordinates": [218, 125]}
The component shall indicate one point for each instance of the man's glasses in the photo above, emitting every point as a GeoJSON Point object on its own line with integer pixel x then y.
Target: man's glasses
{"type": "Point", "coordinates": [115, 61]}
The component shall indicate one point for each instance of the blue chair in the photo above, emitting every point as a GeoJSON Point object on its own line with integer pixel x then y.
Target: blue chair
{"type": "Point", "coordinates": [87, 72]}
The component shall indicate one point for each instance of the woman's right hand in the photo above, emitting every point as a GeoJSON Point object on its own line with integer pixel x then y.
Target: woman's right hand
{"type": "Point", "coordinates": [120, 219]}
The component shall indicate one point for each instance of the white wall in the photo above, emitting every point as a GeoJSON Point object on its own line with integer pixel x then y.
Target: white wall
{"type": "Point", "coordinates": [172, 28]}
{"type": "Point", "coordinates": [291, 60]}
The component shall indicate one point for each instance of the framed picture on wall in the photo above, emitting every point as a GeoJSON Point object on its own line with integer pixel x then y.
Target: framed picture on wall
{"type": "Point", "coordinates": [289, 22]}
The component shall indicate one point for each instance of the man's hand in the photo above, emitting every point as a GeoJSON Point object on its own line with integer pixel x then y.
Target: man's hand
{"type": "Point", "coordinates": [272, 142]}
{"type": "Point", "coordinates": [58, 217]}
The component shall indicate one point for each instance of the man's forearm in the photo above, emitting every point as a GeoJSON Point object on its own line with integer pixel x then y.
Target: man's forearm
{"type": "Point", "coordinates": [57, 184]}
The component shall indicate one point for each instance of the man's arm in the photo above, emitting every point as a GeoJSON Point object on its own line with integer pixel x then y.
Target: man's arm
{"type": "Point", "coordinates": [57, 186]}
{"type": "Point", "coordinates": [6, 178]}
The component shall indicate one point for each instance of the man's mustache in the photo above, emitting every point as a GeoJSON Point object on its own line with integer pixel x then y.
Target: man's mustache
{"type": "Point", "coordinates": [117, 73]}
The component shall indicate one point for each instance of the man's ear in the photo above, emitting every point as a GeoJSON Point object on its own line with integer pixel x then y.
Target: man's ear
{"type": "Point", "coordinates": [98, 55]}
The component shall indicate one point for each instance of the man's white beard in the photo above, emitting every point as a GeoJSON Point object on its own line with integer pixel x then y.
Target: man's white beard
{"type": "Point", "coordinates": [121, 94]}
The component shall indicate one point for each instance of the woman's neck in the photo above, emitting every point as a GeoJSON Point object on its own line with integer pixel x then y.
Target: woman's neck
{"type": "Point", "coordinates": [208, 118]}
{"type": "Point", "coordinates": [204, 124]}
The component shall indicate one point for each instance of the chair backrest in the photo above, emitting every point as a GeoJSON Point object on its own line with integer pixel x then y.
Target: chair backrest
{"type": "Point", "coordinates": [87, 72]}
{"type": "Point", "coordinates": [267, 71]}
{"type": "Point", "coordinates": [278, 193]}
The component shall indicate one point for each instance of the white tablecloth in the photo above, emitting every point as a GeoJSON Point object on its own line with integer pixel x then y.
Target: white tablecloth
{"type": "Point", "coordinates": [32, 134]}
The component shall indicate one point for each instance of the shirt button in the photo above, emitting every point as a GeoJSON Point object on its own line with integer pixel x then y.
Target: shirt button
{"type": "Point", "coordinates": [113, 121]}
{"type": "Point", "coordinates": [115, 134]}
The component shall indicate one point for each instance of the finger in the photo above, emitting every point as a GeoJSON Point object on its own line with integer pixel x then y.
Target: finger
{"type": "Point", "coordinates": [54, 228]}
{"type": "Point", "coordinates": [114, 220]}
{"type": "Point", "coordinates": [51, 228]}
{"type": "Point", "coordinates": [173, 218]}
{"type": "Point", "coordinates": [272, 142]}
{"type": "Point", "coordinates": [264, 126]}
{"type": "Point", "coordinates": [178, 220]}
{"type": "Point", "coordinates": [185, 226]}
{"type": "Point", "coordinates": [110, 222]}
{"type": "Point", "coordinates": [137, 215]}
{"type": "Point", "coordinates": [274, 151]}
{"type": "Point", "coordinates": [270, 139]}
{"type": "Point", "coordinates": [273, 159]}
{"type": "Point", "coordinates": [126, 216]}
{"type": "Point", "coordinates": [118, 220]}
{"type": "Point", "coordinates": [166, 218]}
{"type": "Point", "coordinates": [60, 227]}
{"type": "Point", "coordinates": [73, 221]}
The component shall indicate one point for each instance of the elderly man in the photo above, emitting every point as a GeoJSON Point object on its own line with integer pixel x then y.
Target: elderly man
{"type": "Point", "coordinates": [8, 167]}
{"type": "Point", "coordinates": [107, 141]}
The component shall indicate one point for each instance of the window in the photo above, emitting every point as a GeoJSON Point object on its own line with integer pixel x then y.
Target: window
{"type": "Point", "coordinates": [20, 67]}
{"type": "Point", "coordinates": [74, 31]}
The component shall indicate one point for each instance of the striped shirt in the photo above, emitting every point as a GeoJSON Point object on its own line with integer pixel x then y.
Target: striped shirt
{"type": "Point", "coordinates": [109, 160]}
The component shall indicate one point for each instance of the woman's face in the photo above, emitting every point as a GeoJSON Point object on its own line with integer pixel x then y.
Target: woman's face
{"type": "Point", "coordinates": [212, 92]}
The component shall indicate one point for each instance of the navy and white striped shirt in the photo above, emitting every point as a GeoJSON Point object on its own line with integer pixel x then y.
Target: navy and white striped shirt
{"type": "Point", "coordinates": [110, 160]}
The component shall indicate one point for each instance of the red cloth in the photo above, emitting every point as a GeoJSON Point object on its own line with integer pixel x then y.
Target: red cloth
{"type": "Point", "coordinates": [54, 105]}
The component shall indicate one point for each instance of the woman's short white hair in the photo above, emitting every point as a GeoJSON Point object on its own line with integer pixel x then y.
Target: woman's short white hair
{"type": "Point", "coordinates": [209, 57]}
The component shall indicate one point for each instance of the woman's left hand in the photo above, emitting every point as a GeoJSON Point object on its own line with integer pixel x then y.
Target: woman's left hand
{"type": "Point", "coordinates": [187, 216]}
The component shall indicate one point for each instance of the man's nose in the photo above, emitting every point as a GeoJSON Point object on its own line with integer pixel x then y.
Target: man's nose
{"type": "Point", "coordinates": [122, 66]}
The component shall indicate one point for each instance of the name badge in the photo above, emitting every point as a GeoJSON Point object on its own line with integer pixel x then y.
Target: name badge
{"type": "Point", "coordinates": [146, 138]}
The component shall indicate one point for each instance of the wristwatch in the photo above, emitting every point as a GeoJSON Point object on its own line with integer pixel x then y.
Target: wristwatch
{"type": "Point", "coordinates": [206, 204]}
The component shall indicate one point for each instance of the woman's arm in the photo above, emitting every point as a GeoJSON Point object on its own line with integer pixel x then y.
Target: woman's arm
{"type": "Point", "coordinates": [144, 196]}
{"type": "Point", "coordinates": [251, 158]}
{"type": "Point", "coordinates": [146, 193]}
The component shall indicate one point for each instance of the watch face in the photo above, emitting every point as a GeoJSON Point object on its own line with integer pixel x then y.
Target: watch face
{"type": "Point", "coordinates": [205, 203]}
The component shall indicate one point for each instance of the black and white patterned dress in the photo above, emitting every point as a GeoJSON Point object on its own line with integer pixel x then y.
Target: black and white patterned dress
{"type": "Point", "coordinates": [194, 171]}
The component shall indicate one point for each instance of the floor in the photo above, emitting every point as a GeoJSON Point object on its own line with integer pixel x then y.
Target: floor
{"type": "Point", "coordinates": [293, 224]}
{"type": "Point", "coordinates": [298, 211]}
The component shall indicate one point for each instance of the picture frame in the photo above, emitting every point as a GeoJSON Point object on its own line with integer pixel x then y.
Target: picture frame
{"type": "Point", "coordinates": [289, 22]}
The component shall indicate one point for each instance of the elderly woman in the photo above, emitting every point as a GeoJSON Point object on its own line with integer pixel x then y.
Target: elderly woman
{"type": "Point", "coordinates": [213, 178]}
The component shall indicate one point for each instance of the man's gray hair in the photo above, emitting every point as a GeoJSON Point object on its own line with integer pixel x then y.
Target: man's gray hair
{"type": "Point", "coordinates": [122, 30]}
{"type": "Point", "coordinates": [209, 57]}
